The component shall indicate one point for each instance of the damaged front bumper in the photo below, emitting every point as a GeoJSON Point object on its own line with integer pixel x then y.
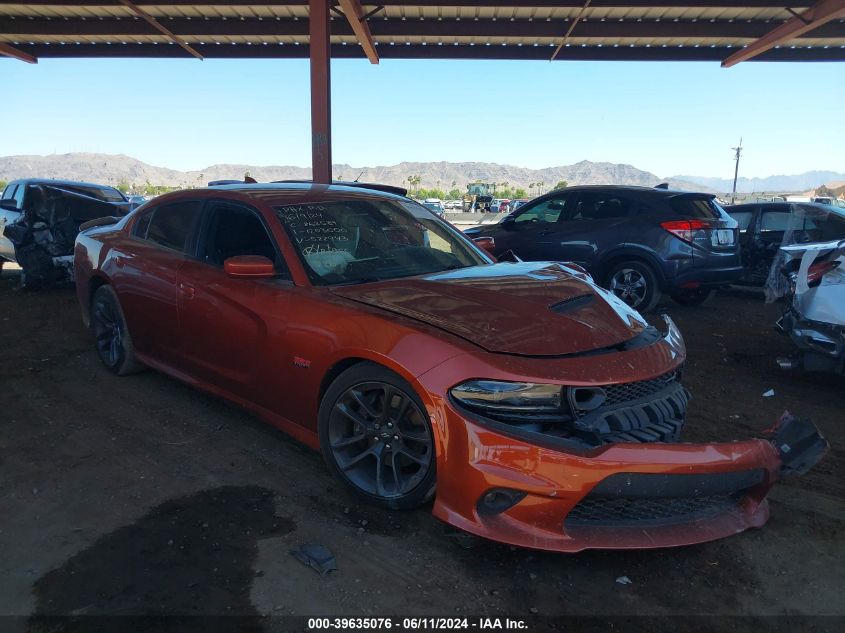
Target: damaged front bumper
{"type": "Point", "coordinates": [621, 496]}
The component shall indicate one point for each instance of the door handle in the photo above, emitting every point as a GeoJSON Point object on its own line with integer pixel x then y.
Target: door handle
{"type": "Point", "coordinates": [186, 290]}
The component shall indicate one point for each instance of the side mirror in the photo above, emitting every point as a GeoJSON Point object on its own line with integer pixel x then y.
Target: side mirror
{"type": "Point", "coordinates": [9, 205]}
{"type": "Point", "coordinates": [249, 267]}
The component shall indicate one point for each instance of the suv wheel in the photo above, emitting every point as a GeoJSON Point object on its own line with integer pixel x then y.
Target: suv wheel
{"type": "Point", "coordinates": [635, 283]}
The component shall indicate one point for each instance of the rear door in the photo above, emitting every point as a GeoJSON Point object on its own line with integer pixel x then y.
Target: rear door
{"type": "Point", "coordinates": [233, 330]}
{"type": "Point", "coordinates": [145, 276]}
{"type": "Point", "coordinates": [746, 216]}
{"type": "Point", "coordinates": [594, 222]}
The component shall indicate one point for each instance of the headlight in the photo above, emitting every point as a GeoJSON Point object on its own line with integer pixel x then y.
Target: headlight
{"type": "Point", "coordinates": [502, 397]}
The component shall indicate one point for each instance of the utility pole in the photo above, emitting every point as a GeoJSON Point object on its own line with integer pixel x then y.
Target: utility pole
{"type": "Point", "coordinates": [737, 152]}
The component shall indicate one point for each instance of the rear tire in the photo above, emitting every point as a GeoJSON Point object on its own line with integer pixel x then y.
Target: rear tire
{"type": "Point", "coordinates": [376, 437]}
{"type": "Point", "coordinates": [692, 296]}
{"type": "Point", "coordinates": [635, 283]}
{"type": "Point", "coordinates": [114, 343]}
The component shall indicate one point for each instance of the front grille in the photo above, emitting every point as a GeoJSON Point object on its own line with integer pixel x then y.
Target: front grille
{"type": "Point", "coordinates": [618, 394]}
{"type": "Point", "coordinates": [658, 417]}
{"type": "Point", "coordinates": [626, 512]}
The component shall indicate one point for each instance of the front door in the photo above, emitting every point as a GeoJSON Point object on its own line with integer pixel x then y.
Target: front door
{"type": "Point", "coordinates": [232, 330]}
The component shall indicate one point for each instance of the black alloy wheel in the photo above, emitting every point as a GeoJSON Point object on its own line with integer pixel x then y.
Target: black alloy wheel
{"type": "Point", "coordinates": [114, 344]}
{"type": "Point", "coordinates": [377, 438]}
{"type": "Point", "coordinates": [635, 283]}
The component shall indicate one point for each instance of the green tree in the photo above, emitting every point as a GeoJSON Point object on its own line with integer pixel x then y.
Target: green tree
{"type": "Point", "coordinates": [561, 184]}
{"type": "Point", "coordinates": [414, 181]}
{"type": "Point", "coordinates": [3, 184]}
{"type": "Point", "coordinates": [122, 186]}
{"type": "Point", "coordinates": [454, 194]}
{"type": "Point", "coordinates": [520, 193]}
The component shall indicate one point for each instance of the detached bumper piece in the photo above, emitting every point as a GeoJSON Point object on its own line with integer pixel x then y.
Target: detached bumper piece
{"type": "Point", "coordinates": [799, 443]}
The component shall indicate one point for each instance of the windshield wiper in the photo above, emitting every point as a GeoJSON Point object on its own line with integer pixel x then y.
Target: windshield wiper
{"type": "Point", "coordinates": [362, 280]}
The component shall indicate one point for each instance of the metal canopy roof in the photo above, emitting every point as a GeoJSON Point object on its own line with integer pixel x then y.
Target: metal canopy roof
{"type": "Point", "coordinates": [713, 30]}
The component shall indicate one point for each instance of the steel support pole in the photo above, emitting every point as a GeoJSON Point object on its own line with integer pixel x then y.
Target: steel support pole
{"type": "Point", "coordinates": [321, 110]}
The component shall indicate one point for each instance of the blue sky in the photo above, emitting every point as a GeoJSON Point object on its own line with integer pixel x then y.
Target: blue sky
{"type": "Point", "coordinates": [667, 118]}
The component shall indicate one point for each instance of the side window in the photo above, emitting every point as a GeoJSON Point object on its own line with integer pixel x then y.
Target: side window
{"type": "Point", "coordinates": [234, 230]}
{"type": "Point", "coordinates": [601, 206]}
{"type": "Point", "coordinates": [9, 192]}
{"type": "Point", "coordinates": [170, 225]}
{"type": "Point", "coordinates": [743, 216]}
{"type": "Point", "coordinates": [142, 224]}
{"type": "Point", "coordinates": [775, 218]}
{"type": "Point", "coordinates": [546, 211]}
{"type": "Point", "coordinates": [18, 196]}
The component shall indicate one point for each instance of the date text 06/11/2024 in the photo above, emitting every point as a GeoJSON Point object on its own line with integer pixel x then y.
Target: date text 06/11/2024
{"type": "Point", "coordinates": [416, 624]}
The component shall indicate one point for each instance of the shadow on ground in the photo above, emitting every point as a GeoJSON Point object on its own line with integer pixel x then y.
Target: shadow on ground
{"type": "Point", "coordinates": [186, 557]}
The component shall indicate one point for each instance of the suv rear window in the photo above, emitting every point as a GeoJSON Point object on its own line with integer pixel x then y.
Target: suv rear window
{"type": "Point", "coordinates": [697, 207]}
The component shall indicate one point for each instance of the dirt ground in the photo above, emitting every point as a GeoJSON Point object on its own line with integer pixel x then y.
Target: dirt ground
{"type": "Point", "coordinates": [140, 495]}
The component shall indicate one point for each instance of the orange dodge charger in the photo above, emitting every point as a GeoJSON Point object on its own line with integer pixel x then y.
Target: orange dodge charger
{"type": "Point", "coordinates": [534, 407]}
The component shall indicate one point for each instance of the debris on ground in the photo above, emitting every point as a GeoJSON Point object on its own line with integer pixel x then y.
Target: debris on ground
{"type": "Point", "coordinates": [624, 580]}
{"type": "Point", "coordinates": [317, 557]}
{"type": "Point", "coordinates": [769, 393]}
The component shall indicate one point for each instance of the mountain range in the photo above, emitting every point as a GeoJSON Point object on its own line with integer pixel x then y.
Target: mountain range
{"type": "Point", "coordinates": [114, 169]}
{"type": "Point", "coordinates": [799, 182]}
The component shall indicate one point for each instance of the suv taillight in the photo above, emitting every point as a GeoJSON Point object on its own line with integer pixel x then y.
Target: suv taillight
{"type": "Point", "coordinates": [819, 270]}
{"type": "Point", "coordinates": [701, 232]}
{"type": "Point", "coordinates": [686, 229]}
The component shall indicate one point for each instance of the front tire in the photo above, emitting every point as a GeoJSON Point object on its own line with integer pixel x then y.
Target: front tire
{"type": "Point", "coordinates": [114, 343]}
{"type": "Point", "coordinates": [376, 437]}
{"type": "Point", "coordinates": [635, 283]}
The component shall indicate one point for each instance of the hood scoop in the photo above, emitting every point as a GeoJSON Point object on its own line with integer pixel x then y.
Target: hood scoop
{"type": "Point", "coordinates": [572, 304]}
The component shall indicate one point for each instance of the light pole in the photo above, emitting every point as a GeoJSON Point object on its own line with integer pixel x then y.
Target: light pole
{"type": "Point", "coordinates": [737, 152]}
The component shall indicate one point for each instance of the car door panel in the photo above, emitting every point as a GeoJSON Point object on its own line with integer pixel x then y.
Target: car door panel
{"type": "Point", "coordinates": [231, 329]}
{"type": "Point", "coordinates": [146, 277]}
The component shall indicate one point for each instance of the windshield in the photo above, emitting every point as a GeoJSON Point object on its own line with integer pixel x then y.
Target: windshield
{"type": "Point", "coordinates": [105, 194]}
{"type": "Point", "coordinates": [357, 241]}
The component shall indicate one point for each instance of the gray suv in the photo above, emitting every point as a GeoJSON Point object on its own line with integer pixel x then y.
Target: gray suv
{"type": "Point", "coordinates": [638, 242]}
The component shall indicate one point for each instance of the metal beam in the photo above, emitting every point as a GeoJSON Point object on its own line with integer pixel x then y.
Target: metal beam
{"type": "Point", "coordinates": [65, 30]}
{"type": "Point", "coordinates": [417, 51]}
{"type": "Point", "coordinates": [158, 27]}
{"type": "Point", "coordinates": [320, 52]}
{"type": "Point", "coordinates": [541, 4]}
{"type": "Point", "coordinates": [11, 51]}
{"type": "Point", "coordinates": [820, 13]}
{"type": "Point", "coordinates": [354, 13]}
{"type": "Point", "coordinates": [570, 29]}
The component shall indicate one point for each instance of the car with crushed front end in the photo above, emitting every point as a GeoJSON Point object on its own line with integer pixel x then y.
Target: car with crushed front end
{"type": "Point", "coordinates": [532, 406]}
{"type": "Point", "coordinates": [39, 220]}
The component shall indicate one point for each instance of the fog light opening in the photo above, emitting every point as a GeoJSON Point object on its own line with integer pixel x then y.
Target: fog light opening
{"type": "Point", "coordinates": [497, 500]}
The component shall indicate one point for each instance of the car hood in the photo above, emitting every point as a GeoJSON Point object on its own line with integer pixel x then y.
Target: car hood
{"type": "Point", "coordinates": [525, 308]}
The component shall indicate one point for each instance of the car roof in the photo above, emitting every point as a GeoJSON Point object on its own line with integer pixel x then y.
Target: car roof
{"type": "Point", "coordinates": [635, 190]}
{"type": "Point", "coordinates": [57, 182]}
{"type": "Point", "coordinates": [276, 192]}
